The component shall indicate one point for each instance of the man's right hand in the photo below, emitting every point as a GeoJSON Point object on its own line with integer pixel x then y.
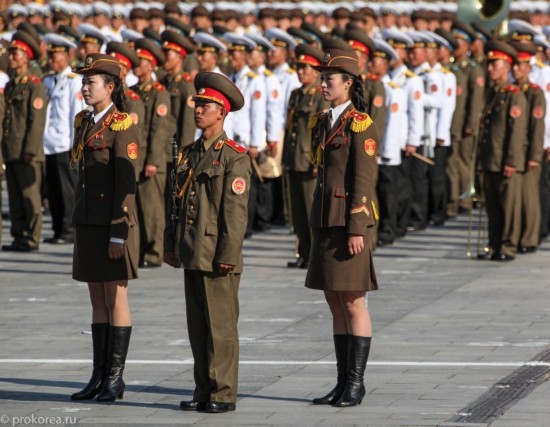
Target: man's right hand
{"type": "Point", "coordinates": [410, 150]}
{"type": "Point", "coordinates": [253, 152]}
{"type": "Point", "coordinates": [170, 259]}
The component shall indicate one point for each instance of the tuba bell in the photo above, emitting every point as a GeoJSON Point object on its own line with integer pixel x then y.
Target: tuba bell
{"type": "Point", "coordinates": [486, 13]}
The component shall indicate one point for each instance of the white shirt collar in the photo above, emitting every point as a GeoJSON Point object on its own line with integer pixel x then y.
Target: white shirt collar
{"type": "Point", "coordinates": [336, 111]}
{"type": "Point", "coordinates": [100, 115]}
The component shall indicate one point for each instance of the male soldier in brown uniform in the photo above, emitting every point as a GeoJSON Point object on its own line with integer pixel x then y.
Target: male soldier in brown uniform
{"type": "Point", "coordinates": [503, 140]}
{"type": "Point", "coordinates": [190, 63]}
{"type": "Point", "coordinates": [375, 93]}
{"type": "Point", "coordinates": [159, 129]}
{"type": "Point", "coordinates": [536, 110]}
{"type": "Point", "coordinates": [470, 92]}
{"type": "Point", "coordinates": [22, 147]}
{"type": "Point", "coordinates": [213, 183]}
{"type": "Point", "coordinates": [304, 103]}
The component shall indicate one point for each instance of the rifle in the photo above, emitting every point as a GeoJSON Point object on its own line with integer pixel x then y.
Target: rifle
{"type": "Point", "coordinates": [173, 186]}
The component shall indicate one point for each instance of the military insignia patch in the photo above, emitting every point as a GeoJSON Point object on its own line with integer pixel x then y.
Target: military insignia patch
{"type": "Point", "coordinates": [548, 87]}
{"type": "Point", "coordinates": [416, 95]}
{"type": "Point", "coordinates": [88, 61]}
{"type": "Point", "coordinates": [38, 103]}
{"type": "Point", "coordinates": [132, 151]}
{"type": "Point", "coordinates": [162, 110]}
{"type": "Point", "coordinates": [449, 92]}
{"type": "Point", "coordinates": [515, 111]}
{"type": "Point", "coordinates": [257, 94]}
{"type": "Point", "coordinates": [216, 163]}
{"type": "Point", "coordinates": [480, 81]}
{"type": "Point", "coordinates": [433, 88]}
{"type": "Point", "coordinates": [370, 147]}
{"type": "Point", "coordinates": [538, 112]}
{"type": "Point", "coordinates": [238, 186]}
{"type": "Point", "coordinates": [378, 101]}
{"type": "Point", "coordinates": [275, 94]}
{"type": "Point", "coordinates": [458, 90]}
{"type": "Point", "coordinates": [79, 96]}
{"type": "Point", "coordinates": [394, 107]}
{"type": "Point", "coordinates": [135, 118]}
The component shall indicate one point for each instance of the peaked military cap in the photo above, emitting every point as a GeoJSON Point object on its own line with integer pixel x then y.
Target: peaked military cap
{"type": "Point", "coordinates": [151, 34]}
{"type": "Point", "coordinates": [337, 43]}
{"type": "Point", "coordinates": [177, 42]}
{"type": "Point", "coordinates": [481, 32]}
{"type": "Point", "coordinates": [215, 87]}
{"type": "Point", "coordinates": [90, 34]}
{"type": "Point", "coordinates": [280, 38]}
{"type": "Point", "coordinates": [99, 63]}
{"type": "Point", "coordinates": [339, 60]}
{"type": "Point", "coordinates": [358, 40]}
{"type": "Point", "coordinates": [520, 30]}
{"type": "Point", "coordinates": [58, 43]}
{"type": "Point", "coordinates": [262, 44]}
{"type": "Point", "coordinates": [541, 43]}
{"type": "Point", "coordinates": [208, 43]}
{"type": "Point", "coordinates": [397, 39]}
{"type": "Point", "coordinates": [29, 29]}
{"type": "Point", "coordinates": [124, 53]}
{"type": "Point", "coordinates": [22, 40]}
{"type": "Point", "coordinates": [525, 50]}
{"type": "Point", "coordinates": [301, 36]}
{"type": "Point", "coordinates": [463, 31]}
{"type": "Point", "coordinates": [312, 29]}
{"type": "Point", "coordinates": [307, 54]}
{"type": "Point", "coordinates": [448, 36]}
{"type": "Point", "coordinates": [239, 43]}
{"type": "Point", "coordinates": [500, 50]}
{"type": "Point", "coordinates": [174, 24]}
{"type": "Point", "coordinates": [384, 50]}
{"type": "Point", "coordinates": [68, 32]}
{"type": "Point", "coordinates": [147, 49]}
{"type": "Point", "coordinates": [420, 39]}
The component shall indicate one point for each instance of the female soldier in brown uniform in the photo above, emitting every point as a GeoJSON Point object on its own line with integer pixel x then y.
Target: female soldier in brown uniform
{"type": "Point", "coordinates": [342, 219]}
{"type": "Point", "coordinates": [105, 150]}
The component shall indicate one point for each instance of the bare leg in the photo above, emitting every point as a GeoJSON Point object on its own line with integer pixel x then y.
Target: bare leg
{"type": "Point", "coordinates": [339, 322]}
{"type": "Point", "coordinates": [116, 300]}
{"type": "Point", "coordinates": [356, 313]}
{"type": "Point", "coordinates": [100, 313]}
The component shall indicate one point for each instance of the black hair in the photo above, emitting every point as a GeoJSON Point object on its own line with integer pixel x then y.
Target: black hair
{"type": "Point", "coordinates": [118, 96]}
{"type": "Point", "coordinates": [357, 93]}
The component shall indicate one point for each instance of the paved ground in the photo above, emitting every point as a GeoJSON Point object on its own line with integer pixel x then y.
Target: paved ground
{"type": "Point", "coordinates": [447, 330]}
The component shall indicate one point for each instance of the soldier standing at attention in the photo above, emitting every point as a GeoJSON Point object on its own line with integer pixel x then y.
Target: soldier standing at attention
{"type": "Point", "coordinates": [105, 151]}
{"type": "Point", "coordinates": [24, 121]}
{"type": "Point", "coordinates": [503, 143]}
{"type": "Point", "coordinates": [304, 103]}
{"type": "Point", "coordinates": [535, 111]}
{"type": "Point", "coordinates": [344, 143]}
{"type": "Point", "coordinates": [63, 88]}
{"type": "Point", "coordinates": [159, 129]}
{"type": "Point", "coordinates": [213, 183]}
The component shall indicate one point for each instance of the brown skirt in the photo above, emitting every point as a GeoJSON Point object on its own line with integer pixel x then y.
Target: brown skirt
{"type": "Point", "coordinates": [91, 262]}
{"type": "Point", "coordinates": [332, 268]}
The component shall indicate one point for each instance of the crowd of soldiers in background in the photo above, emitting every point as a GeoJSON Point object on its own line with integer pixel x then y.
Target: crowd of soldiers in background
{"type": "Point", "coordinates": [424, 73]}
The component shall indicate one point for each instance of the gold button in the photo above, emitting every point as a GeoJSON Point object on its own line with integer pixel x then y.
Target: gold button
{"type": "Point", "coordinates": [125, 208]}
{"type": "Point", "coordinates": [192, 193]}
{"type": "Point", "coordinates": [102, 195]}
{"type": "Point", "coordinates": [189, 221]}
{"type": "Point", "coordinates": [191, 207]}
{"type": "Point", "coordinates": [83, 185]}
{"type": "Point", "coordinates": [321, 185]}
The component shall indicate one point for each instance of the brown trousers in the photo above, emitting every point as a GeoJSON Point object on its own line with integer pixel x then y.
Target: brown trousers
{"type": "Point", "coordinates": [301, 186]}
{"type": "Point", "coordinates": [25, 204]}
{"type": "Point", "coordinates": [151, 215]}
{"type": "Point", "coordinates": [212, 304]}
{"type": "Point", "coordinates": [459, 174]}
{"type": "Point", "coordinates": [530, 208]}
{"type": "Point", "coordinates": [503, 201]}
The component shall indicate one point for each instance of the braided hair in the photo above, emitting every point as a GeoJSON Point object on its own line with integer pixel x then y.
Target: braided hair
{"type": "Point", "coordinates": [118, 96]}
{"type": "Point", "coordinates": [357, 93]}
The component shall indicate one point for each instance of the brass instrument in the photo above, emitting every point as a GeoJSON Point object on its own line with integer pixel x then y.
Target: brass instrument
{"type": "Point", "coordinates": [486, 13]}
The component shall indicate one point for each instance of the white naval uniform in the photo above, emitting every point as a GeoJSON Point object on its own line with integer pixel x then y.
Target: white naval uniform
{"type": "Point", "coordinates": [274, 119]}
{"type": "Point", "coordinates": [396, 105]}
{"type": "Point", "coordinates": [288, 78]}
{"type": "Point", "coordinates": [445, 113]}
{"type": "Point", "coordinates": [433, 102]}
{"type": "Point", "coordinates": [540, 75]}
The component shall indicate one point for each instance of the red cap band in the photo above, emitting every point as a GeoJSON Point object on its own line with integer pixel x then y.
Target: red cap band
{"type": "Point", "coordinates": [357, 45]}
{"type": "Point", "coordinates": [213, 95]}
{"type": "Point", "coordinates": [145, 54]}
{"type": "Point", "coordinates": [497, 54]}
{"type": "Point", "coordinates": [21, 45]}
{"type": "Point", "coordinates": [524, 56]}
{"type": "Point", "coordinates": [174, 46]}
{"type": "Point", "coordinates": [307, 59]}
{"type": "Point", "coordinates": [125, 61]}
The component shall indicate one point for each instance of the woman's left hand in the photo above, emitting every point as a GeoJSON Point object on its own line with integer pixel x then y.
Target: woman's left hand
{"type": "Point", "coordinates": [355, 244]}
{"type": "Point", "coordinates": [116, 250]}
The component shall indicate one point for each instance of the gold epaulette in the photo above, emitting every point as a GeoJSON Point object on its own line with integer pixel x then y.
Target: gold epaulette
{"type": "Point", "coordinates": [445, 70]}
{"type": "Point", "coordinates": [268, 72]}
{"type": "Point", "coordinates": [409, 73]}
{"type": "Point", "coordinates": [540, 64]}
{"type": "Point", "coordinates": [360, 122]}
{"type": "Point", "coordinates": [251, 74]}
{"type": "Point", "coordinates": [291, 71]}
{"type": "Point", "coordinates": [313, 121]}
{"type": "Point", "coordinates": [79, 118]}
{"type": "Point", "coordinates": [121, 121]}
{"type": "Point", "coordinates": [393, 85]}
{"type": "Point", "coordinates": [72, 75]}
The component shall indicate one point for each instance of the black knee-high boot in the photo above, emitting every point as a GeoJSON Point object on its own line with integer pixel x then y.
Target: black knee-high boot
{"type": "Point", "coordinates": [100, 336]}
{"type": "Point", "coordinates": [355, 389]}
{"type": "Point", "coordinates": [341, 346]}
{"type": "Point", "coordinates": [113, 386]}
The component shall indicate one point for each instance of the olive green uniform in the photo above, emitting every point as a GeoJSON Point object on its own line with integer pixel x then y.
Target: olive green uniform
{"type": "Point", "coordinates": [375, 95]}
{"type": "Point", "coordinates": [531, 213]}
{"type": "Point", "coordinates": [503, 142]}
{"type": "Point", "coordinates": [136, 109]}
{"type": "Point", "coordinates": [213, 186]}
{"type": "Point", "coordinates": [159, 129]}
{"type": "Point", "coordinates": [470, 97]}
{"type": "Point", "coordinates": [303, 104]}
{"type": "Point", "coordinates": [24, 121]}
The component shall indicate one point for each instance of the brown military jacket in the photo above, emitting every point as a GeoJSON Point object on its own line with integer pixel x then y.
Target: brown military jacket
{"type": "Point", "coordinates": [158, 125]}
{"type": "Point", "coordinates": [536, 111]}
{"type": "Point", "coordinates": [106, 154]}
{"type": "Point", "coordinates": [182, 108]}
{"type": "Point", "coordinates": [346, 157]}
{"type": "Point", "coordinates": [213, 203]}
{"type": "Point", "coordinates": [375, 94]}
{"type": "Point", "coordinates": [473, 90]}
{"type": "Point", "coordinates": [503, 130]}
{"type": "Point", "coordinates": [303, 104]}
{"type": "Point", "coordinates": [457, 123]}
{"type": "Point", "coordinates": [136, 109]}
{"type": "Point", "coordinates": [25, 118]}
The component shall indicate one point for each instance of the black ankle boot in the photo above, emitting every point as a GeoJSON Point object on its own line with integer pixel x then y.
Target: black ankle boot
{"type": "Point", "coordinates": [355, 389]}
{"type": "Point", "coordinates": [100, 335]}
{"type": "Point", "coordinates": [341, 346]}
{"type": "Point", "coordinates": [113, 386]}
